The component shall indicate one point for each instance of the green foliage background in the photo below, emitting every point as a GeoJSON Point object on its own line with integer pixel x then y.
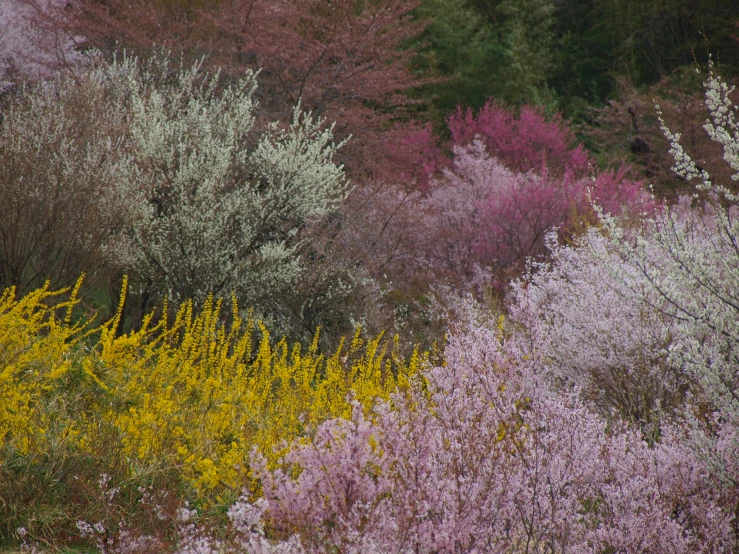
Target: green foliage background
{"type": "Point", "coordinates": [566, 54]}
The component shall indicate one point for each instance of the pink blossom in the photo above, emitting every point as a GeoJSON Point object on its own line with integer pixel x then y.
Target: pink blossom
{"type": "Point", "coordinates": [522, 143]}
{"type": "Point", "coordinates": [483, 457]}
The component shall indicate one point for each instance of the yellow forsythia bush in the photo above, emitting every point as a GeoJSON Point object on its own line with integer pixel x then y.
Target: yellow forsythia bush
{"type": "Point", "coordinates": [196, 395]}
{"type": "Point", "coordinates": [35, 348]}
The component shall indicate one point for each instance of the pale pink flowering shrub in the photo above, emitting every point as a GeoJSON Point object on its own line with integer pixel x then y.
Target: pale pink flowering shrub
{"type": "Point", "coordinates": [655, 306]}
{"type": "Point", "coordinates": [483, 457]}
{"type": "Point", "coordinates": [603, 338]}
{"type": "Point", "coordinates": [32, 45]}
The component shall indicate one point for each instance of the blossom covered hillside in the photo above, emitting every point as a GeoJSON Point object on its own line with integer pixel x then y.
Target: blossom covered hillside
{"type": "Point", "coordinates": [262, 290]}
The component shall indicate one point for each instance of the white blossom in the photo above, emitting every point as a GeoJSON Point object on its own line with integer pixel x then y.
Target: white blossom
{"type": "Point", "coordinates": [690, 259]}
{"type": "Point", "coordinates": [217, 212]}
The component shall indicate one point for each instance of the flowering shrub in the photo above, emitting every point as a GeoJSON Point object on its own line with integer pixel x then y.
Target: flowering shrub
{"type": "Point", "coordinates": [488, 460]}
{"type": "Point", "coordinates": [63, 162]}
{"type": "Point", "coordinates": [640, 315]}
{"type": "Point", "coordinates": [601, 337]}
{"type": "Point", "coordinates": [238, 397]}
{"type": "Point", "coordinates": [213, 211]}
{"type": "Point", "coordinates": [194, 395]}
{"type": "Point", "coordinates": [698, 272]}
{"type": "Point", "coordinates": [177, 184]}
{"type": "Point", "coordinates": [688, 263]}
{"type": "Point", "coordinates": [33, 342]}
{"type": "Point", "coordinates": [482, 457]}
{"type": "Point", "coordinates": [682, 264]}
{"type": "Point", "coordinates": [31, 45]}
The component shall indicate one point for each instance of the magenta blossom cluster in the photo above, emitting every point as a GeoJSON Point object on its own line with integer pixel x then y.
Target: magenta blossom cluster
{"type": "Point", "coordinates": [513, 179]}
{"type": "Point", "coordinates": [524, 142]}
{"type": "Point", "coordinates": [496, 218]}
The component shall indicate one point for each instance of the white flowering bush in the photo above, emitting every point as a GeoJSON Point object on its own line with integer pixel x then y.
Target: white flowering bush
{"type": "Point", "coordinates": [218, 208]}
{"type": "Point", "coordinates": [165, 174]}
{"type": "Point", "coordinates": [691, 260]}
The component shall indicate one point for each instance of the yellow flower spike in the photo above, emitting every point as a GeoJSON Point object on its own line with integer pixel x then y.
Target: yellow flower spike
{"type": "Point", "coordinates": [73, 299]}
{"type": "Point", "coordinates": [60, 370]}
{"type": "Point", "coordinates": [115, 322]}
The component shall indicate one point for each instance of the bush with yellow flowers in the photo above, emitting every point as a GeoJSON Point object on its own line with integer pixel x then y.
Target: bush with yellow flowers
{"type": "Point", "coordinates": [191, 395]}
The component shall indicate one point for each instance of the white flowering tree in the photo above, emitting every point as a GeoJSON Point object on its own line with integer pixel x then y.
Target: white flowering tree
{"type": "Point", "coordinates": [220, 208]}
{"type": "Point", "coordinates": [702, 257]}
{"type": "Point", "coordinates": [691, 260]}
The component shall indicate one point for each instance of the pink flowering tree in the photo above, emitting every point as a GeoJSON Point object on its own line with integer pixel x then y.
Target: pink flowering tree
{"type": "Point", "coordinates": [604, 339]}
{"type": "Point", "coordinates": [31, 44]}
{"type": "Point", "coordinates": [652, 309]}
{"type": "Point", "coordinates": [496, 217]}
{"type": "Point", "coordinates": [522, 143]}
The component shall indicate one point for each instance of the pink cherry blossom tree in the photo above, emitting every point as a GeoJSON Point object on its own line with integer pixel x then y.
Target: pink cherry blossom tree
{"type": "Point", "coordinates": [483, 456]}
{"type": "Point", "coordinates": [31, 45]}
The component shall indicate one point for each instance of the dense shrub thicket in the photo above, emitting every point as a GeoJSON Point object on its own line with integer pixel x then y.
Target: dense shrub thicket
{"type": "Point", "coordinates": [168, 175]}
{"type": "Point", "coordinates": [149, 168]}
{"type": "Point", "coordinates": [603, 421]}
